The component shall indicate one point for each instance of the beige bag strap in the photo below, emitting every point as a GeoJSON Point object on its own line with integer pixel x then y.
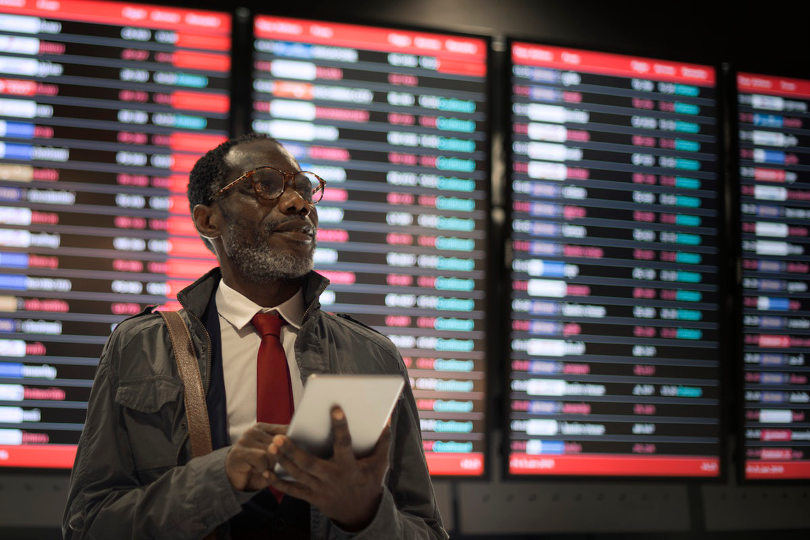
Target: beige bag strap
{"type": "Point", "coordinates": [199, 429]}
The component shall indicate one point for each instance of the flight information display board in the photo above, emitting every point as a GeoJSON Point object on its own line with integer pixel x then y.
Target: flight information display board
{"type": "Point", "coordinates": [104, 108]}
{"type": "Point", "coordinates": [395, 121]}
{"type": "Point", "coordinates": [614, 326]}
{"type": "Point", "coordinates": [774, 138]}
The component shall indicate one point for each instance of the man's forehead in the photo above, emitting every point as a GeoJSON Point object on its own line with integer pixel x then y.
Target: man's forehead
{"type": "Point", "coordinates": [251, 154]}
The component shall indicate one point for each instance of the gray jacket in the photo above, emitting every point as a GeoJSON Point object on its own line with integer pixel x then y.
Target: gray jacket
{"type": "Point", "coordinates": [133, 476]}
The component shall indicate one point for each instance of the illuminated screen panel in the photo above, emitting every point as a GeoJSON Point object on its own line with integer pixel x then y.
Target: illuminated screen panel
{"type": "Point", "coordinates": [614, 356]}
{"type": "Point", "coordinates": [104, 107]}
{"type": "Point", "coordinates": [395, 121]}
{"type": "Point", "coordinates": [774, 135]}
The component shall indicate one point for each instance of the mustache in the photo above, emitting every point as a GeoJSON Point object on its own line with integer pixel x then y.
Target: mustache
{"type": "Point", "coordinates": [291, 224]}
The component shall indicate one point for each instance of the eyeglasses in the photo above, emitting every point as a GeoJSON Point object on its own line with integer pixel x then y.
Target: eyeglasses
{"type": "Point", "coordinates": [269, 183]}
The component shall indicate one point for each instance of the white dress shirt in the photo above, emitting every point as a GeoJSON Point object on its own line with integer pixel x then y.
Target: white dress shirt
{"type": "Point", "coordinates": [240, 347]}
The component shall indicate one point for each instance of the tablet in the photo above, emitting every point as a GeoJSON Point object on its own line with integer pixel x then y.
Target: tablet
{"type": "Point", "coordinates": [367, 400]}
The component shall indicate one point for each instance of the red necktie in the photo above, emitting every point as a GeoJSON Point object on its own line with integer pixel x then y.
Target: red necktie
{"type": "Point", "coordinates": [274, 399]}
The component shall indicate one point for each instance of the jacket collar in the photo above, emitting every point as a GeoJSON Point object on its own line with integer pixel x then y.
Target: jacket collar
{"type": "Point", "coordinates": [195, 297]}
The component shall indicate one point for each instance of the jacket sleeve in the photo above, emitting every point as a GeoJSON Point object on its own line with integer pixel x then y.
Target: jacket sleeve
{"type": "Point", "coordinates": [408, 508]}
{"type": "Point", "coordinates": [108, 500]}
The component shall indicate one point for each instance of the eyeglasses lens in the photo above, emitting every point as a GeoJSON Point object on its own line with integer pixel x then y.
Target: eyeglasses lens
{"type": "Point", "coordinates": [269, 184]}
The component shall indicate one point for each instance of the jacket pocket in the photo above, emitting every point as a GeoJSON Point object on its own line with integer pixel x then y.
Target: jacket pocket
{"type": "Point", "coordinates": [152, 414]}
{"type": "Point", "coordinates": [149, 394]}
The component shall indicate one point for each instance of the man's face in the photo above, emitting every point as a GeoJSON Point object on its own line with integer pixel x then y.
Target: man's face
{"type": "Point", "coordinates": [266, 240]}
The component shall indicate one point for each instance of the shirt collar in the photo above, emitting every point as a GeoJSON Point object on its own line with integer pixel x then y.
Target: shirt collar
{"type": "Point", "coordinates": [238, 309]}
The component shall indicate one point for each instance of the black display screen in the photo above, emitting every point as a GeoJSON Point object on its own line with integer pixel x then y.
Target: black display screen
{"type": "Point", "coordinates": [614, 338]}
{"type": "Point", "coordinates": [395, 121]}
{"type": "Point", "coordinates": [104, 108]}
{"type": "Point", "coordinates": [774, 140]}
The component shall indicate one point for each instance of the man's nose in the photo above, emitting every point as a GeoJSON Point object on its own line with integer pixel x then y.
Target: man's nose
{"type": "Point", "coordinates": [291, 202]}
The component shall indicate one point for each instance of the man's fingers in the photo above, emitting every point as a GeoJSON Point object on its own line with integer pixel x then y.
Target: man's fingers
{"type": "Point", "coordinates": [272, 429]}
{"type": "Point", "coordinates": [342, 444]}
{"type": "Point", "coordinates": [243, 464]}
{"type": "Point", "coordinates": [260, 435]}
{"type": "Point", "coordinates": [379, 457]}
{"type": "Point", "coordinates": [253, 459]}
{"type": "Point", "coordinates": [256, 437]}
{"type": "Point", "coordinates": [384, 442]}
{"type": "Point", "coordinates": [299, 464]}
{"type": "Point", "coordinates": [256, 482]}
{"type": "Point", "coordinates": [294, 489]}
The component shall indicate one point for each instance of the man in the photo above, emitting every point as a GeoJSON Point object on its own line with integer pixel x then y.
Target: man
{"type": "Point", "coordinates": [134, 477]}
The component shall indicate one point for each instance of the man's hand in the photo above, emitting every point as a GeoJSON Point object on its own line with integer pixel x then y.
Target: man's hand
{"type": "Point", "coordinates": [345, 489]}
{"type": "Point", "coordinates": [247, 460]}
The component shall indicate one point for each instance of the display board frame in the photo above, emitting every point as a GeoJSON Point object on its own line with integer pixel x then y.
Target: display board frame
{"type": "Point", "coordinates": [490, 288]}
{"type": "Point", "coordinates": [721, 124]}
{"type": "Point", "coordinates": [733, 70]}
{"type": "Point", "coordinates": [157, 17]}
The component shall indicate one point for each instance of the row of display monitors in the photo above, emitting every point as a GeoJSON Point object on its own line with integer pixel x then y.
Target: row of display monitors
{"type": "Point", "coordinates": [612, 366]}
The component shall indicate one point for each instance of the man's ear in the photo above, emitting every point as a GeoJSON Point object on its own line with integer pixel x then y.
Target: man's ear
{"type": "Point", "coordinates": [207, 220]}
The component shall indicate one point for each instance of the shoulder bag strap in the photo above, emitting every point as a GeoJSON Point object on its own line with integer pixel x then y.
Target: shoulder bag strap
{"type": "Point", "coordinates": [199, 429]}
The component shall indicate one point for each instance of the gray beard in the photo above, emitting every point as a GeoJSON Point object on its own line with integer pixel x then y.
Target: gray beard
{"type": "Point", "coordinates": [259, 264]}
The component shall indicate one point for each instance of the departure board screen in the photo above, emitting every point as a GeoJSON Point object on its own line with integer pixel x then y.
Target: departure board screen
{"type": "Point", "coordinates": [614, 326]}
{"type": "Point", "coordinates": [774, 140]}
{"type": "Point", "coordinates": [104, 108]}
{"type": "Point", "coordinates": [395, 121]}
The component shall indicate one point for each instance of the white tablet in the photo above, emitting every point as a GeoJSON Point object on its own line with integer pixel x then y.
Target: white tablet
{"type": "Point", "coordinates": [367, 400]}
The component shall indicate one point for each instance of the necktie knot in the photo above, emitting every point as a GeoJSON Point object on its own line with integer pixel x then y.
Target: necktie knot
{"type": "Point", "coordinates": [267, 324]}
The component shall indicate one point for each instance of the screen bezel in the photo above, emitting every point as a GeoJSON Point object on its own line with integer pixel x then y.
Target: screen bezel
{"type": "Point", "coordinates": [723, 352]}
{"type": "Point", "coordinates": [490, 351]}
{"type": "Point", "coordinates": [57, 15]}
{"type": "Point", "coordinates": [735, 200]}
